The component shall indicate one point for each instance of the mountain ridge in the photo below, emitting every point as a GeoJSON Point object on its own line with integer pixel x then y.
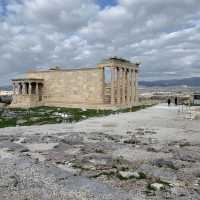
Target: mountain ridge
{"type": "Point", "coordinates": [191, 82]}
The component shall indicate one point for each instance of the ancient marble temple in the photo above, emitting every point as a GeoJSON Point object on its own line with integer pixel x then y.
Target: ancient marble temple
{"type": "Point", "coordinates": [112, 84]}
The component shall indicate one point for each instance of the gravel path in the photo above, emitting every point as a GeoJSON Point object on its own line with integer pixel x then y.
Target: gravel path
{"type": "Point", "coordinates": [149, 154]}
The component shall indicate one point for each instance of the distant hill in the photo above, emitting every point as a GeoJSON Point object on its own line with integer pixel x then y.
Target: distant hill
{"type": "Point", "coordinates": [7, 88]}
{"type": "Point", "coordinates": [192, 82]}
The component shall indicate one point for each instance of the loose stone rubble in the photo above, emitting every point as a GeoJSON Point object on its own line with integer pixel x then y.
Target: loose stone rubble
{"type": "Point", "coordinates": [149, 154]}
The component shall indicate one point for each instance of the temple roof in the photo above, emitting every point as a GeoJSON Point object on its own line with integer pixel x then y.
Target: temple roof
{"type": "Point", "coordinates": [118, 59]}
{"type": "Point", "coordinates": [118, 62]}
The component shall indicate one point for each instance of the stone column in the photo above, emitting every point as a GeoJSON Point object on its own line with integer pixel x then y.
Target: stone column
{"type": "Point", "coordinates": [136, 87]}
{"type": "Point", "coordinates": [18, 88]}
{"type": "Point", "coordinates": [118, 87]}
{"type": "Point", "coordinates": [121, 83]}
{"type": "Point", "coordinates": [14, 88]}
{"type": "Point", "coordinates": [23, 88]}
{"type": "Point", "coordinates": [37, 89]}
{"type": "Point", "coordinates": [132, 87]}
{"type": "Point", "coordinates": [113, 86]}
{"type": "Point", "coordinates": [128, 87]}
{"type": "Point", "coordinates": [30, 88]}
{"type": "Point", "coordinates": [124, 86]}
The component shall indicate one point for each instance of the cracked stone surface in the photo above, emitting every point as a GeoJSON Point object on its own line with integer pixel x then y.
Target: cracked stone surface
{"type": "Point", "coordinates": [89, 159]}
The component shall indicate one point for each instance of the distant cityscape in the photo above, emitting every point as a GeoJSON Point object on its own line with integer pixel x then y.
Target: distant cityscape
{"type": "Point", "coordinates": [191, 82]}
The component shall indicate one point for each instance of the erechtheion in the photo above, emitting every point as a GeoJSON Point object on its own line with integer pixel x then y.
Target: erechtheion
{"type": "Point", "coordinates": [112, 84]}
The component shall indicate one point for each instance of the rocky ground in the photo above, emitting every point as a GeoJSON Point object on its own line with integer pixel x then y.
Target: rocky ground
{"type": "Point", "coordinates": [149, 154]}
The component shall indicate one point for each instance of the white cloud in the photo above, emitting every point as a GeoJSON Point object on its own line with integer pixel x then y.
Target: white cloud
{"type": "Point", "coordinates": [163, 35]}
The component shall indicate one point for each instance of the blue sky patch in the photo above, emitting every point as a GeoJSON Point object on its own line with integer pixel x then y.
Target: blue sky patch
{"type": "Point", "coordinates": [104, 3]}
{"type": "Point", "coordinates": [2, 7]}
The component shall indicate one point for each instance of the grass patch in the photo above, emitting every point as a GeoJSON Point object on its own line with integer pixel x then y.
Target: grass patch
{"type": "Point", "coordinates": [10, 117]}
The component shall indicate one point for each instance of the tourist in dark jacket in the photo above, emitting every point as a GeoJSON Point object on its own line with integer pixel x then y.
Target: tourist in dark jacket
{"type": "Point", "coordinates": [169, 102]}
{"type": "Point", "coordinates": [176, 101]}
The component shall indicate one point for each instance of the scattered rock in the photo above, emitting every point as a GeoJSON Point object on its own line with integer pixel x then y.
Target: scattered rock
{"type": "Point", "coordinates": [21, 140]}
{"type": "Point", "coordinates": [186, 156]}
{"type": "Point", "coordinates": [15, 180]}
{"type": "Point", "coordinates": [133, 140]}
{"type": "Point", "coordinates": [99, 150]}
{"type": "Point", "coordinates": [196, 172]}
{"type": "Point", "coordinates": [151, 132]}
{"type": "Point", "coordinates": [153, 149]}
{"type": "Point", "coordinates": [9, 114]}
{"type": "Point", "coordinates": [23, 150]}
{"type": "Point", "coordinates": [72, 139]}
{"type": "Point", "coordinates": [184, 144]}
{"type": "Point", "coordinates": [128, 174]}
{"type": "Point", "coordinates": [35, 119]}
{"type": "Point", "coordinates": [21, 122]}
{"type": "Point", "coordinates": [4, 138]}
{"type": "Point", "coordinates": [157, 186]}
{"type": "Point", "coordinates": [164, 163]}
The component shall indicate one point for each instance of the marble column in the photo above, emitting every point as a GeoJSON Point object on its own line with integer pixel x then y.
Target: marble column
{"type": "Point", "coordinates": [113, 86]}
{"type": "Point", "coordinates": [37, 89]}
{"type": "Point", "coordinates": [18, 88]}
{"type": "Point", "coordinates": [136, 87]}
{"type": "Point", "coordinates": [23, 88]}
{"type": "Point", "coordinates": [124, 86]}
{"type": "Point", "coordinates": [132, 87]}
{"type": "Point", "coordinates": [14, 88]}
{"type": "Point", "coordinates": [30, 88]}
{"type": "Point", "coordinates": [128, 87]}
{"type": "Point", "coordinates": [118, 86]}
{"type": "Point", "coordinates": [121, 85]}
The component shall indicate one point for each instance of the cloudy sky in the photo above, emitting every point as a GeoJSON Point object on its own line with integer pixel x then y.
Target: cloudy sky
{"type": "Point", "coordinates": [164, 35]}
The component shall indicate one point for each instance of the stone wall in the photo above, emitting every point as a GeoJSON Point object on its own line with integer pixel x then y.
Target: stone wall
{"type": "Point", "coordinates": [71, 87]}
{"type": "Point", "coordinates": [26, 101]}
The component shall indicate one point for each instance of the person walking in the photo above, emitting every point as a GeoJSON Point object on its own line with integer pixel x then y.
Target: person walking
{"type": "Point", "coordinates": [176, 101]}
{"type": "Point", "coordinates": [169, 102]}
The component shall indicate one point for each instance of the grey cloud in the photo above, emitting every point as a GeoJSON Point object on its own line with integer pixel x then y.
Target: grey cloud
{"type": "Point", "coordinates": [163, 35]}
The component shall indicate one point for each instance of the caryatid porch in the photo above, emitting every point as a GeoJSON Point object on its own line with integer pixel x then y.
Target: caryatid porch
{"type": "Point", "coordinates": [27, 91]}
{"type": "Point", "coordinates": [124, 77]}
{"type": "Point", "coordinates": [27, 86]}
